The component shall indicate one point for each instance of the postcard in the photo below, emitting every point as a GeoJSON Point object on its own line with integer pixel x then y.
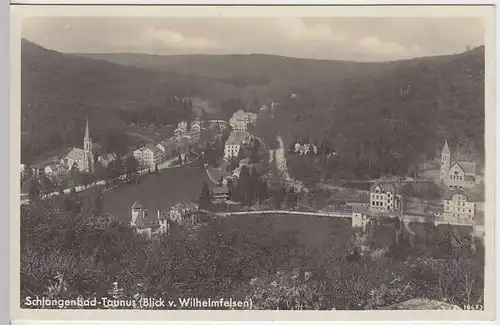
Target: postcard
{"type": "Point", "coordinates": [252, 163]}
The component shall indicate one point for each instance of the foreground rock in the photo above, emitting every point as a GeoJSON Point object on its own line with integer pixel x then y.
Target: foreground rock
{"type": "Point", "coordinates": [422, 304]}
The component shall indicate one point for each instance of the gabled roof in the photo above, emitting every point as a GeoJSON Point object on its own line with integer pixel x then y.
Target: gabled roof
{"type": "Point", "coordinates": [137, 205]}
{"type": "Point", "coordinates": [220, 190]}
{"type": "Point", "coordinates": [145, 220]}
{"type": "Point", "coordinates": [469, 167]}
{"type": "Point", "coordinates": [359, 208]}
{"type": "Point", "coordinates": [76, 154]}
{"type": "Point", "coordinates": [385, 187]}
{"type": "Point", "coordinates": [448, 195]}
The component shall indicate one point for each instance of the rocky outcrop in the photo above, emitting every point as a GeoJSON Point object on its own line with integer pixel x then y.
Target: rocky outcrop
{"type": "Point", "coordinates": [422, 304]}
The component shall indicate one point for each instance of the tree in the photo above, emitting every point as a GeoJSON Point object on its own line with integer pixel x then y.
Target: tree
{"type": "Point", "coordinates": [204, 197]}
{"type": "Point", "coordinates": [265, 128]}
{"type": "Point", "coordinates": [221, 180]}
{"type": "Point", "coordinates": [180, 158]}
{"type": "Point", "coordinates": [291, 198]}
{"type": "Point", "coordinates": [100, 171]}
{"type": "Point", "coordinates": [33, 189]}
{"type": "Point", "coordinates": [241, 154]}
{"type": "Point", "coordinates": [157, 171]}
{"type": "Point", "coordinates": [242, 188]}
{"type": "Point", "coordinates": [131, 166]}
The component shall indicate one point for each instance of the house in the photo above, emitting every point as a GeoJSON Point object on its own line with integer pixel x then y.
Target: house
{"type": "Point", "coordinates": [168, 147]}
{"type": "Point", "coordinates": [241, 119]}
{"type": "Point", "coordinates": [184, 213]}
{"type": "Point", "coordinates": [457, 204]}
{"type": "Point", "coordinates": [304, 149]}
{"type": "Point", "coordinates": [457, 174]}
{"type": "Point", "coordinates": [149, 155]}
{"type": "Point", "coordinates": [195, 128]}
{"type": "Point", "coordinates": [360, 217]}
{"type": "Point", "coordinates": [182, 126]}
{"type": "Point", "coordinates": [83, 159]}
{"type": "Point", "coordinates": [221, 124]}
{"type": "Point", "coordinates": [220, 193]}
{"type": "Point", "coordinates": [149, 225]}
{"type": "Point", "coordinates": [264, 108]}
{"type": "Point", "coordinates": [244, 162]}
{"type": "Point", "coordinates": [235, 141]}
{"type": "Point", "coordinates": [53, 169]}
{"type": "Point", "coordinates": [106, 159]}
{"type": "Point", "coordinates": [384, 197]}
{"type": "Point", "coordinates": [138, 154]}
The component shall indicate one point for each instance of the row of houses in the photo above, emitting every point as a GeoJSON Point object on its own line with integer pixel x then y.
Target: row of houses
{"type": "Point", "coordinates": [152, 154]}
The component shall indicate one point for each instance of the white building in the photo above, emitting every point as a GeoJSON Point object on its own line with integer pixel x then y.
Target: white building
{"type": "Point", "coordinates": [83, 159]}
{"type": "Point", "coordinates": [168, 147]}
{"type": "Point", "coordinates": [147, 225]}
{"type": "Point", "coordinates": [384, 197]}
{"type": "Point", "coordinates": [241, 119]}
{"type": "Point", "coordinates": [304, 149]}
{"type": "Point", "coordinates": [359, 217]}
{"type": "Point", "coordinates": [458, 174]}
{"type": "Point", "coordinates": [149, 155]}
{"type": "Point", "coordinates": [221, 124]}
{"type": "Point", "coordinates": [184, 213]}
{"type": "Point", "coordinates": [456, 204]}
{"type": "Point", "coordinates": [106, 159]}
{"type": "Point", "coordinates": [234, 143]}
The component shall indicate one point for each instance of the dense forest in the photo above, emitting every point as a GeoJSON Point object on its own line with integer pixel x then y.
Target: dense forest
{"type": "Point", "coordinates": [389, 121]}
{"type": "Point", "coordinates": [70, 250]}
{"type": "Point", "coordinates": [369, 111]}
{"type": "Point", "coordinates": [59, 91]}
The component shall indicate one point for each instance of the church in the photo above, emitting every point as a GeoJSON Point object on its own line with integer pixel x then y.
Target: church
{"type": "Point", "coordinates": [83, 159]}
{"type": "Point", "coordinates": [458, 173]}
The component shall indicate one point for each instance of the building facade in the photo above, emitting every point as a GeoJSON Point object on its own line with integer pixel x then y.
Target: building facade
{"type": "Point", "coordinates": [83, 159]}
{"type": "Point", "coordinates": [236, 140]}
{"type": "Point", "coordinates": [241, 120]}
{"type": "Point", "coordinates": [149, 156]}
{"type": "Point", "coordinates": [456, 204]}
{"type": "Point", "coordinates": [384, 197]}
{"type": "Point", "coordinates": [459, 173]}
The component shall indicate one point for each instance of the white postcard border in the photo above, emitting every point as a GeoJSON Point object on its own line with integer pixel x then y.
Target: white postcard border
{"type": "Point", "coordinates": [17, 13]}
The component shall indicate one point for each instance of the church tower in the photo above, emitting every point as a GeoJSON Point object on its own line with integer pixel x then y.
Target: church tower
{"type": "Point", "coordinates": [87, 147]}
{"type": "Point", "coordinates": [445, 162]}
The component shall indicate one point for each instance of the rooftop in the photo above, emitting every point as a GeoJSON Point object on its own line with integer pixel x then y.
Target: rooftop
{"type": "Point", "coordinates": [469, 167]}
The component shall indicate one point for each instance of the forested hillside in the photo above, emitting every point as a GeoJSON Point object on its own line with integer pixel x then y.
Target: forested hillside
{"type": "Point", "coordinates": [59, 91]}
{"type": "Point", "coordinates": [389, 120]}
{"type": "Point", "coordinates": [370, 112]}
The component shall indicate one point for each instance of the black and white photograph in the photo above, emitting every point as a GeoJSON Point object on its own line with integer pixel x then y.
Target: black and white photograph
{"type": "Point", "coordinates": [256, 162]}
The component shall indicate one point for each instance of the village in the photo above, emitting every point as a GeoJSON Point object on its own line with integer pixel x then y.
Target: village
{"type": "Point", "coordinates": [458, 178]}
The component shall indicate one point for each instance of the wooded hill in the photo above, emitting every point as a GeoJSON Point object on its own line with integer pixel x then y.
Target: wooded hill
{"type": "Point", "coordinates": [397, 116]}
{"type": "Point", "coordinates": [407, 106]}
{"type": "Point", "coordinates": [59, 91]}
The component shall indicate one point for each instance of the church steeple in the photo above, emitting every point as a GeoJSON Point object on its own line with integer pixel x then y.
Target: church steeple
{"type": "Point", "coordinates": [87, 147]}
{"type": "Point", "coordinates": [87, 133]}
{"type": "Point", "coordinates": [446, 148]}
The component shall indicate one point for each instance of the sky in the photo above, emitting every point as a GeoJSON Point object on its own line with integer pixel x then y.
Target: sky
{"type": "Point", "coordinates": [359, 39]}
